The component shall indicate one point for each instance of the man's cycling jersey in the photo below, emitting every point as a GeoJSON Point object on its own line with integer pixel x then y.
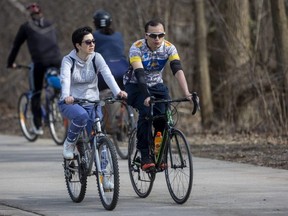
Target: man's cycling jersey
{"type": "Point", "coordinates": [153, 61]}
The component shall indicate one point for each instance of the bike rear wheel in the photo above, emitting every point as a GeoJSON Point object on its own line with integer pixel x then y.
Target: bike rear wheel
{"type": "Point", "coordinates": [58, 125]}
{"type": "Point", "coordinates": [25, 117]}
{"type": "Point", "coordinates": [179, 172]}
{"type": "Point", "coordinates": [125, 123]}
{"type": "Point", "coordinates": [141, 181]}
{"type": "Point", "coordinates": [110, 176]}
{"type": "Point", "coordinates": [75, 178]}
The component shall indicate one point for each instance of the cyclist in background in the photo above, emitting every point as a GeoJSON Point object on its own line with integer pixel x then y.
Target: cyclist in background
{"type": "Point", "coordinates": [148, 57]}
{"type": "Point", "coordinates": [110, 45]}
{"type": "Point", "coordinates": [40, 35]}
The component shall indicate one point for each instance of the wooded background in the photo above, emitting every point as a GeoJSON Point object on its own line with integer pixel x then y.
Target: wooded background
{"type": "Point", "coordinates": [234, 52]}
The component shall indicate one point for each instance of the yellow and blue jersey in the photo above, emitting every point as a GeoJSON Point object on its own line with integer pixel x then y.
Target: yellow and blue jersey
{"type": "Point", "coordinates": [152, 61]}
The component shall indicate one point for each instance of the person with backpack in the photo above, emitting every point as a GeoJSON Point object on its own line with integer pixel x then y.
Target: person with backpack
{"type": "Point", "coordinates": [79, 70]}
{"type": "Point", "coordinates": [110, 44]}
{"type": "Point", "coordinates": [42, 43]}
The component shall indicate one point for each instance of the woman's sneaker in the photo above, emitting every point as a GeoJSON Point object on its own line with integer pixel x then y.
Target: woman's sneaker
{"type": "Point", "coordinates": [68, 149]}
{"type": "Point", "coordinates": [107, 183]}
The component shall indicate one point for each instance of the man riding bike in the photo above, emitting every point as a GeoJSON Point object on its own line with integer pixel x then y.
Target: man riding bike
{"type": "Point", "coordinates": [40, 35]}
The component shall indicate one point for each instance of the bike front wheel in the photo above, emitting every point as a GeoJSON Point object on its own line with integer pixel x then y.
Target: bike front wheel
{"type": "Point", "coordinates": [141, 181]}
{"type": "Point", "coordinates": [25, 117]}
{"type": "Point", "coordinates": [58, 125]}
{"type": "Point", "coordinates": [108, 174]}
{"type": "Point", "coordinates": [179, 172]}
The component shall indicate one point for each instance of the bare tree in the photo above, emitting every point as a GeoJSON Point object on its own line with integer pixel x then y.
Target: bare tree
{"type": "Point", "coordinates": [281, 38]}
{"type": "Point", "coordinates": [237, 55]}
{"type": "Point", "coordinates": [202, 63]}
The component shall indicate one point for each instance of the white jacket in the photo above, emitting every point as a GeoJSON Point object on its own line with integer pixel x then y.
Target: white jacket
{"type": "Point", "coordinates": [83, 81]}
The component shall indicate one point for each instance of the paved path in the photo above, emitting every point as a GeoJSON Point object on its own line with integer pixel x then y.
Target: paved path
{"type": "Point", "coordinates": [32, 183]}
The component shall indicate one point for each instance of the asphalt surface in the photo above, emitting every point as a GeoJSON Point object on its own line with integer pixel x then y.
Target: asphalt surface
{"type": "Point", "coordinates": [32, 183]}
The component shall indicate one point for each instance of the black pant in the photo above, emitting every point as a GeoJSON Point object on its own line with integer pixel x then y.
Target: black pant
{"type": "Point", "coordinates": [136, 100]}
{"type": "Point", "coordinates": [36, 86]}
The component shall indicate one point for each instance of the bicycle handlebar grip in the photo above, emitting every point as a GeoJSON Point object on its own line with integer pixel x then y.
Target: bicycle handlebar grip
{"type": "Point", "coordinates": [195, 100]}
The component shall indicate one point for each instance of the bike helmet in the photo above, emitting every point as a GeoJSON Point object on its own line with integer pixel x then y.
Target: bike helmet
{"type": "Point", "coordinates": [33, 8]}
{"type": "Point", "coordinates": [102, 19]}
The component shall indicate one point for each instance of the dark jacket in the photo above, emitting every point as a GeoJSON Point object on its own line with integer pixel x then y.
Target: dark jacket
{"type": "Point", "coordinates": [41, 41]}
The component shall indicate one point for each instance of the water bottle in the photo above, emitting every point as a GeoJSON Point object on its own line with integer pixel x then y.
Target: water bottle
{"type": "Point", "coordinates": [104, 160]}
{"type": "Point", "coordinates": [157, 142]}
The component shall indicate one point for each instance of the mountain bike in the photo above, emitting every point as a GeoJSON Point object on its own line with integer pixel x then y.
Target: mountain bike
{"type": "Point", "coordinates": [94, 155]}
{"type": "Point", "coordinates": [119, 122]}
{"type": "Point", "coordinates": [51, 115]}
{"type": "Point", "coordinates": [174, 156]}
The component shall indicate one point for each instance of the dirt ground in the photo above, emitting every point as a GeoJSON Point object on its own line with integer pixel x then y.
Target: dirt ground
{"type": "Point", "coordinates": [263, 150]}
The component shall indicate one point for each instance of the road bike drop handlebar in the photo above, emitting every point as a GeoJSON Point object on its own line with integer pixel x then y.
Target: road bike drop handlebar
{"type": "Point", "coordinates": [195, 100]}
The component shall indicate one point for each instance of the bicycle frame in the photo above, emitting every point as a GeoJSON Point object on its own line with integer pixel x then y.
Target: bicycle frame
{"type": "Point", "coordinates": [169, 126]}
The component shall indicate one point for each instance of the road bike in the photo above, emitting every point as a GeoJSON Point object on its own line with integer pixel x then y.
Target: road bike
{"type": "Point", "coordinates": [94, 155]}
{"type": "Point", "coordinates": [51, 115]}
{"type": "Point", "coordinates": [119, 122]}
{"type": "Point", "coordinates": [174, 157]}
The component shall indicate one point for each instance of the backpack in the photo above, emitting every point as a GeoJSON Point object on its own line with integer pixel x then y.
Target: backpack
{"type": "Point", "coordinates": [73, 64]}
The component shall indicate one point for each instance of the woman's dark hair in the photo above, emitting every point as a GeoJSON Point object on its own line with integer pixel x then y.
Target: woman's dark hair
{"type": "Point", "coordinates": [153, 22]}
{"type": "Point", "coordinates": [79, 34]}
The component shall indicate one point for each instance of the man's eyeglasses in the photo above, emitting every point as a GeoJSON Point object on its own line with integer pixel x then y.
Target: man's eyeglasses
{"type": "Point", "coordinates": [155, 35]}
{"type": "Point", "coordinates": [88, 42]}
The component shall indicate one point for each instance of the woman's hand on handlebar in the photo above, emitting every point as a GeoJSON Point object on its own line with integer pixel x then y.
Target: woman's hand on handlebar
{"type": "Point", "coordinates": [69, 100]}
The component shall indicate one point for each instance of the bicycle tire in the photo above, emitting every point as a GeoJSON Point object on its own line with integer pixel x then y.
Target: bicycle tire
{"type": "Point", "coordinates": [58, 125]}
{"type": "Point", "coordinates": [108, 197]}
{"type": "Point", "coordinates": [141, 181]}
{"type": "Point", "coordinates": [125, 124]}
{"type": "Point", "coordinates": [179, 172]}
{"type": "Point", "coordinates": [75, 178]}
{"type": "Point", "coordinates": [25, 117]}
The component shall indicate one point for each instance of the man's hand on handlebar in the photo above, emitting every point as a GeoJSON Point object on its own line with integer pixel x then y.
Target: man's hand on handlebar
{"type": "Point", "coordinates": [147, 101]}
{"type": "Point", "coordinates": [13, 66]}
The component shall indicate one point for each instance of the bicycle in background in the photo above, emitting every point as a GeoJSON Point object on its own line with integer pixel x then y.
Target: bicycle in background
{"type": "Point", "coordinates": [173, 158]}
{"type": "Point", "coordinates": [119, 122]}
{"type": "Point", "coordinates": [94, 155]}
{"type": "Point", "coordinates": [51, 115]}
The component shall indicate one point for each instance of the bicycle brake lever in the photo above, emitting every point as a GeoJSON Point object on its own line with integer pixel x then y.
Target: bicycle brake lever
{"type": "Point", "coordinates": [195, 100]}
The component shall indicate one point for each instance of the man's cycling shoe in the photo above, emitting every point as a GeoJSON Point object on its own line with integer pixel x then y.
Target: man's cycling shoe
{"type": "Point", "coordinates": [147, 165]}
{"type": "Point", "coordinates": [38, 131]}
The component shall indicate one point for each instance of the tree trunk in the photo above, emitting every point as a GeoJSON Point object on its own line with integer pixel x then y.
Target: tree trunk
{"type": "Point", "coordinates": [237, 55]}
{"type": "Point", "coordinates": [281, 38]}
{"type": "Point", "coordinates": [202, 63]}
